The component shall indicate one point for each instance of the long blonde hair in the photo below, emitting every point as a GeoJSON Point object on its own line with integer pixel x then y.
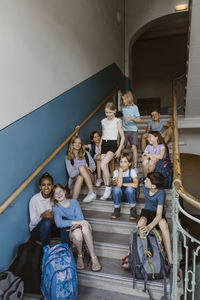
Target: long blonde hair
{"type": "Point", "coordinates": [128, 94]}
{"type": "Point", "coordinates": [71, 154]}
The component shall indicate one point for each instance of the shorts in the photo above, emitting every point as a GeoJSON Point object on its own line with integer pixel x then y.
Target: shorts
{"type": "Point", "coordinates": [131, 137]}
{"type": "Point", "coordinates": [149, 215]}
{"type": "Point", "coordinates": [109, 145]}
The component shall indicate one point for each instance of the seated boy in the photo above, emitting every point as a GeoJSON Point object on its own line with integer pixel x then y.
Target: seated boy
{"type": "Point", "coordinates": [153, 212]}
{"type": "Point", "coordinates": [165, 128]}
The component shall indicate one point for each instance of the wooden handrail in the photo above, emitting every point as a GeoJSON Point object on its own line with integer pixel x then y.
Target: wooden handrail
{"type": "Point", "coordinates": [50, 157]}
{"type": "Point", "coordinates": [176, 156]}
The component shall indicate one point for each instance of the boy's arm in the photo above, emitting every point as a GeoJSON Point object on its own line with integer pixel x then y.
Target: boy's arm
{"type": "Point", "coordinates": [155, 221]}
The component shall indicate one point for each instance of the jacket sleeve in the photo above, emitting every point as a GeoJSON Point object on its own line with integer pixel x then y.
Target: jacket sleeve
{"type": "Point", "coordinates": [72, 170]}
{"type": "Point", "coordinates": [92, 164]}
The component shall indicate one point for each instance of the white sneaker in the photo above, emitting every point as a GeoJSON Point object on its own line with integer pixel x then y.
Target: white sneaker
{"type": "Point", "coordinates": [90, 197]}
{"type": "Point", "coordinates": [98, 182]}
{"type": "Point", "coordinates": [107, 193]}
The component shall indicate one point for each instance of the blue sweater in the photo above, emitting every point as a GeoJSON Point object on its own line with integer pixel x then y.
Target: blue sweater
{"type": "Point", "coordinates": [63, 216]}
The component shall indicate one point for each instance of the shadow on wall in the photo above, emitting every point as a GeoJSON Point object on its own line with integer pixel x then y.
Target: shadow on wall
{"type": "Point", "coordinates": [26, 143]}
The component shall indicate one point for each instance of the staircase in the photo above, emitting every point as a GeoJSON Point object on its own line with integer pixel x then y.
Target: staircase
{"type": "Point", "coordinates": [111, 239]}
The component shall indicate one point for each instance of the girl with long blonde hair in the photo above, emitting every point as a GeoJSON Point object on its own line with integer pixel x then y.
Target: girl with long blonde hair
{"type": "Point", "coordinates": [80, 167]}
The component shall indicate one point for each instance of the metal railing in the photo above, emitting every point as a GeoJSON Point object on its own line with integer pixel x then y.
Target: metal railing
{"type": "Point", "coordinates": [20, 189]}
{"type": "Point", "coordinates": [178, 231]}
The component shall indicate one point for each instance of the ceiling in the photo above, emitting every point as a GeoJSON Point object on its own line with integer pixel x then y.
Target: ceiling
{"type": "Point", "coordinates": [171, 25]}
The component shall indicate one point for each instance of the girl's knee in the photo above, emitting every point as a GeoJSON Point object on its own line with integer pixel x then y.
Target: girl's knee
{"type": "Point", "coordinates": [77, 235]}
{"type": "Point", "coordinates": [86, 228]}
{"type": "Point", "coordinates": [130, 190]}
{"type": "Point", "coordinates": [142, 222]}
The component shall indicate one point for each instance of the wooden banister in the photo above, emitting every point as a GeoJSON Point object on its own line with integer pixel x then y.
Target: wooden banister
{"type": "Point", "coordinates": [176, 156]}
{"type": "Point", "coordinates": [50, 157]}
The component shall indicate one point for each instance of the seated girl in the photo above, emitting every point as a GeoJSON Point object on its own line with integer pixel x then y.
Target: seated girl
{"type": "Point", "coordinates": [94, 149]}
{"type": "Point", "coordinates": [67, 213]}
{"type": "Point", "coordinates": [126, 182]}
{"type": "Point", "coordinates": [155, 150]}
{"type": "Point", "coordinates": [80, 167]}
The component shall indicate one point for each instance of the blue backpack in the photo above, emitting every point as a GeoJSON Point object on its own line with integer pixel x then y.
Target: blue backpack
{"type": "Point", "coordinates": [165, 167]}
{"type": "Point", "coordinates": [59, 273]}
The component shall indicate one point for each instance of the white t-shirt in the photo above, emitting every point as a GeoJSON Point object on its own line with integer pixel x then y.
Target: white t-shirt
{"type": "Point", "coordinates": [125, 174]}
{"type": "Point", "coordinates": [110, 128]}
{"type": "Point", "coordinates": [37, 206]}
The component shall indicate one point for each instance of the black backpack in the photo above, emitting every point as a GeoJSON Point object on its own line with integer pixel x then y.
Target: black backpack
{"type": "Point", "coordinates": [11, 286]}
{"type": "Point", "coordinates": [27, 265]}
{"type": "Point", "coordinates": [147, 258]}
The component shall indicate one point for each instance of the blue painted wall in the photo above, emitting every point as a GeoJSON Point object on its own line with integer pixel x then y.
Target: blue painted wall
{"type": "Point", "coordinates": [26, 143]}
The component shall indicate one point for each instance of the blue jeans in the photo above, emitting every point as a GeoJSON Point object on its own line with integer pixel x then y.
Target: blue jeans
{"type": "Point", "coordinates": [44, 229]}
{"type": "Point", "coordinates": [129, 191]}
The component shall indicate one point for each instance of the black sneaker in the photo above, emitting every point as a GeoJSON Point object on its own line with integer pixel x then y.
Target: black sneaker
{"type": "Point", "coordinates": [116, 213]}
{"type": "Point", "coordinates": [133, 215]}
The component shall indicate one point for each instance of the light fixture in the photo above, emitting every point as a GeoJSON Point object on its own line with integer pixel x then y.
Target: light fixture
{"type": "Point", "coordinates": [181, 7]}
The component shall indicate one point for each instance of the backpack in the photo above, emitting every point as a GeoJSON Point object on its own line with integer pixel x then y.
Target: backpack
{"type": "Point", "coordinates": [165, 167]}
{"type": "Point", "coordinates": [147, 258]}
{"type": "Point", "coordinates": [27, 265]}
{"type": "Point", "coordinates": [11, 286]}
{"type": "Point", "coordinates": [59, 273]}
{"type": "Point", "coordinates": [92, 151]}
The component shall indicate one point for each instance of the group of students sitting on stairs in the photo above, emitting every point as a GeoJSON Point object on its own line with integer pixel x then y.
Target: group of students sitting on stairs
{"type": "Point", "coordinates": [52, 209]}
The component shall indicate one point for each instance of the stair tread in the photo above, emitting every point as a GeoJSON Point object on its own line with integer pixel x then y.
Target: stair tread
{"type": "Point", "coordinates": [111, 238]}
{"type": "Point", "coordinates": [86, 293]}
{"type": "Point", "coordinates": [105, 216]}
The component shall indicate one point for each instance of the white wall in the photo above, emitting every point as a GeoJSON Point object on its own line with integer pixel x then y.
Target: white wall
{"type": "Point", "coordinates": [140, 12]}
{"type": "Point", "coordinates": [189, 140]}
{"type": "Point", "coordinates": [193, 86]}
{"type": "Point", "coordinates": [49, 46]}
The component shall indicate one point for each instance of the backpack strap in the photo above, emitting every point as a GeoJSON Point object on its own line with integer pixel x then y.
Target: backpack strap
{"type": "Point", "coordinates": [92, 152]}
{"type": "Point", "coordinates": [159, 243]}
{"type": "Point", "coordinates": [87, 158]}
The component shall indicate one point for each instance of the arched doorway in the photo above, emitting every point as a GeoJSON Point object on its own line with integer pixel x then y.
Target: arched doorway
{"type": "Point", "coordinates": [157, 52]}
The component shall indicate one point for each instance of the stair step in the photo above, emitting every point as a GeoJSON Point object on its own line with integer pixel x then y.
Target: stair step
{"type": "Point", "coordinates": [113, 245]}
{"type": "Point", "coordinates": [32, 297]}
{"type": "Point", "coordinates": [86, 293]}
{"type": "Point", "coordinates": [107, 206]}
{"type": "Point", "coordinates": [114, 278]}
{"type": "Point", "coordinates": [100, 221]}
